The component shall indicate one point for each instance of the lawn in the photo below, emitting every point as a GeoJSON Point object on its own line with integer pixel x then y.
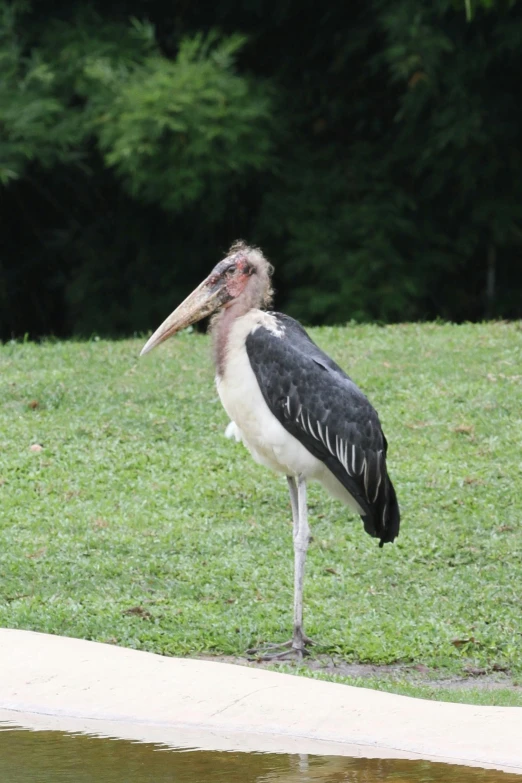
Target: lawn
{"type": "Point", "coordinates": [127, 517]}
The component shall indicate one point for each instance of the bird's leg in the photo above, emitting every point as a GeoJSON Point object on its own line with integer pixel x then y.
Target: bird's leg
{"type": "Point", "coordinates": [301, 535]}
{"type": "Point", "coordinates": [301, 540]}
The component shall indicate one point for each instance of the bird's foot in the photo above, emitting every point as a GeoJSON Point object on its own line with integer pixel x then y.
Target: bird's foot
{"type": "Point", "coordinates": [294, 649]}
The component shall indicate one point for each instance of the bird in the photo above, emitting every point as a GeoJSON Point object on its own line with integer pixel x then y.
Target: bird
{"type": "Point", "coordinates": [296, 411]}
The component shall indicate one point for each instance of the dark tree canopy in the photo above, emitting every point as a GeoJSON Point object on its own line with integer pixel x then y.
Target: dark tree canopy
{"type": "Point", "coordinates": [373, 149]}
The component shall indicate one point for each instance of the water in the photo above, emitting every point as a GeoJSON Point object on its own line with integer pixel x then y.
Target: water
{"type": "Point", "coordinates": [56, 757]}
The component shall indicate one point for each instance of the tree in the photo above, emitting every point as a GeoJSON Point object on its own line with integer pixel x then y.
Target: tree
{"type": "Point", "coordinates": [374, 150]}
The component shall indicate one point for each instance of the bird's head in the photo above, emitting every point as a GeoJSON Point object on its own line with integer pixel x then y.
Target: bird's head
{"type": "Point", "coordinates": [242, 278]}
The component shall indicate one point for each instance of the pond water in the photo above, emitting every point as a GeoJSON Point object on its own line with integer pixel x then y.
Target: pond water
{"type": "Point", "coordinates": [56, 757]}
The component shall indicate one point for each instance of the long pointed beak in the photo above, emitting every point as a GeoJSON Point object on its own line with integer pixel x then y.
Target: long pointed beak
{"type": "Point", "coordinates": [203, 301]}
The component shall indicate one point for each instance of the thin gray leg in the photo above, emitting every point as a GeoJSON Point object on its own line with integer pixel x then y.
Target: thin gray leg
{"type": "Point", "coordinates": [301, 533]}
{"type": "Point", "coordinates": [301, 539]}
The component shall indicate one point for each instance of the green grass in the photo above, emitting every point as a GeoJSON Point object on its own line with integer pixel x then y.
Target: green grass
{"type": "Point", "coordinates": [140, 524]}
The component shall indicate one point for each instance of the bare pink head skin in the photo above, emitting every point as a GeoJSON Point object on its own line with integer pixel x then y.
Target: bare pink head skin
{"type": "Point", "coordinates": [238, 283]}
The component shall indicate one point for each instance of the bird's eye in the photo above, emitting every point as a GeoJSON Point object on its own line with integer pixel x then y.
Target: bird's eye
{"type": "Point", "coordinates": [231, 271]}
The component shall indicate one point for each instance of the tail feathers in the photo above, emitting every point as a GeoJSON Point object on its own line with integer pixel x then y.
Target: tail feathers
{"type": "Point", "coordinates": [385, 518]}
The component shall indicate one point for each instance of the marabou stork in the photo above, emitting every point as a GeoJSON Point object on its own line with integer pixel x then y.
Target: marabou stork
{"type": "Point", "coordinates": [291, 405]}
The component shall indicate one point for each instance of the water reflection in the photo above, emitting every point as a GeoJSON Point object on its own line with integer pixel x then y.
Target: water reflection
{"type": "Point", "coordinates": [55, 757]}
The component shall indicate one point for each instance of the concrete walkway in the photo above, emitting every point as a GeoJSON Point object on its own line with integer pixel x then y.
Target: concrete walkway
{"type": "Point", "coordinates": [52, 682]}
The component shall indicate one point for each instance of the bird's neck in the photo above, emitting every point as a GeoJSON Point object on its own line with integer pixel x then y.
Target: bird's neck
{"type": "Point", "coordinates": [254, 294]}
{"type": "Point", "coordinates": [221, 326]}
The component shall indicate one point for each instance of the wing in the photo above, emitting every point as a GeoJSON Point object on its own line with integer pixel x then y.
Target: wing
{"type": "Point", "coordinates": [321, 406]}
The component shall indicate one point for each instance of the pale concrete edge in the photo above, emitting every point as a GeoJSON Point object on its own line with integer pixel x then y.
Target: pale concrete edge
{"type": "Point", "coordinates": [177, 735]}
{"type": "Point", "coordinates": [49, 682]}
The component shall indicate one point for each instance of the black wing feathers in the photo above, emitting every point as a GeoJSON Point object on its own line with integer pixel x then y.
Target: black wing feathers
{"type": "Point", "coordinates": [320, 405]}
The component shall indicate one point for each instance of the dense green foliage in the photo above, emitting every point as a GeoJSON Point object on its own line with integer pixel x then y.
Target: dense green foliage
{"type": "Point", "coordinates": [138, 523]}
{"type": "Point", "coordinates": [373, 149]}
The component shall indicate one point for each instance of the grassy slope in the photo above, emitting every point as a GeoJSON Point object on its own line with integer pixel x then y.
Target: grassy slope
{"type": "Point", "coordinates": [140, 524]}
